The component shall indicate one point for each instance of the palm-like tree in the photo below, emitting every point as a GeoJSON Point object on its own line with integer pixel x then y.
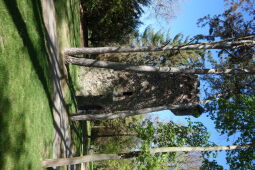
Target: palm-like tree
{"type": "Point", "coordinates": [151, 38]}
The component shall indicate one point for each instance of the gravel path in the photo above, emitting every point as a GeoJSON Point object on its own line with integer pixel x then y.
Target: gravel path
{"type": "Point", "coordinates": [62, 140]}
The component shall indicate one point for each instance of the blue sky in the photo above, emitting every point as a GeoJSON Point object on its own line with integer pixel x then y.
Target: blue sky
{"type": "Point", "coordinates": [186, 17]}
{"type": "Point", "coordinates": [185, 22]}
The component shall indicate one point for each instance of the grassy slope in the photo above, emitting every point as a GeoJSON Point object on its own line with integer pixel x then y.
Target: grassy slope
{"type": "Point", "coordinates": [68, 29]}
{"type": "Point", "coordinates": [68, 21]}
{"type": "Point", "coordinates": [68, 25]}
{"type": "Point", "coordinates": [26, 128]}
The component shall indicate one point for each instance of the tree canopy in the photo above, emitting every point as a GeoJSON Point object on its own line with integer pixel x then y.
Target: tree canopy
{"type": "Point", "coordinates": [235, 117]}
{"type": "Point", "coordinates": [233, 113]}
{"type": "Point", "coordinates": [112, 21]}
{"type": "Point", "coordinates": [158, 134]}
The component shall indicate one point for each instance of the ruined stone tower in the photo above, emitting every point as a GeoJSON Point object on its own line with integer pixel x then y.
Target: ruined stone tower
{"type": "Point", "coordinates": [112, 91]}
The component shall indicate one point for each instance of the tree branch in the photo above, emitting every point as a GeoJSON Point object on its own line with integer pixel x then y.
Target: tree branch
{"type": "Point", "coordinates": [145, 68]}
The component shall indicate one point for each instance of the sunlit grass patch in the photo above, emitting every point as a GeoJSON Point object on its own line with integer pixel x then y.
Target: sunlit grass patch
{"type": "Point", "coordinates": [26, 125]}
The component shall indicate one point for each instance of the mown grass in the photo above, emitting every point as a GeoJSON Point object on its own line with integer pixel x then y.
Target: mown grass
{"type": "Point", "coordinates": [26, 126]}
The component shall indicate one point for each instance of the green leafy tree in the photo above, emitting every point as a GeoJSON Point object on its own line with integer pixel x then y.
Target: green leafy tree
{"type": "Point", "coordinates": [111, 21]}
{"type": "Point", "coordinates": [210, 165]}
{"type": "Point", "coordinates": [235, 117]}
{"type": "Point", "coordinates": [150, 156]}
{"type": "Point", "coordinates": [228, 85]}
{"type": "Point", "coordinates": [234, 112]}
{"type": "Point", "coordinates": [115, 136]}
{"type": "Point", "coordinates": [158, 134]}
{"type": "Point", "coordinates": [151, 38]}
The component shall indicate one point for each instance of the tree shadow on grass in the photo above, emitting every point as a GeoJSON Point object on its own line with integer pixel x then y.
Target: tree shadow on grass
{"type": "Point", "coordinates": [70, 84]}
{"type": "Point", "coordinates": [36, 58]}
{"type": "Point", "coordinates": [11, 143]}
{"type": "Point", "coordinates": [41, 63]}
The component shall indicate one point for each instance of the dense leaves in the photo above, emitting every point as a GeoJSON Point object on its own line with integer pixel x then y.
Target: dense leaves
{"type": "Point", "coordinates": [210, 165]}
{"type": "Point", "coordinates": [151, 38]}
{"type": "Point", "coordinates": [234, 112]}
{"type": "Point", "coordinates": [158, 134]}
{"type": "Point", "coordinates": [117, 136]}
{"type": "Point", "coordinates": [112, 20]}
{"type": "Point", "coordinates": [236, 116]}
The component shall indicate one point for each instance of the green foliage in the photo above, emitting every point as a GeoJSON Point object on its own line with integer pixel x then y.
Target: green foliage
{"type": "Point", "coordinates": [149, 38]}
{"type": "Point", "coordinates": [114, 164]}
{"type": "Point", "coordinates": [115, 144]}
{"type": "Point", "coordinates": [227, 85]}
{"type": "Point", "coordinates": [157, 134]}
{"type": "Point", "coordinates": [173, 58]}
{"type": "Point", "coordinates": [149, 161]}
{"type": "Point", "coordinates": [236, 116]}
{"type": "Point", "coordinates": [234, 112]}
{"type": "Point", "coordinates": [210, 165]}
{"type": "Point", "coordinates": [112, 21]}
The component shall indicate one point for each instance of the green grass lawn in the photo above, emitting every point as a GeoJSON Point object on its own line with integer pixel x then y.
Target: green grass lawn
{"type": "Point", "coordinates": [26, 127]}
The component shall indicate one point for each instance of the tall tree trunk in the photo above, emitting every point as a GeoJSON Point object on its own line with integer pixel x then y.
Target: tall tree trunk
{"type": "Point", "coordinates": [206, 45]}
{"type": "Point", "coordinates": [100, 157]}
{"type": "Point", "coordinates": [112, 135]}
{"type": "Point", "coordinates": [145, 68]}
{"type": "Point", "coordinates": [82, 115]}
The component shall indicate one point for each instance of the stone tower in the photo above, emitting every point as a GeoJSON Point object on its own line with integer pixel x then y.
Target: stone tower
{"type": "Point", "coordinates": [111, 91]}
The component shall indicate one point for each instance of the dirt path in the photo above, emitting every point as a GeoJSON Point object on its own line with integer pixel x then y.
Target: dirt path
{"type": "Point", "coordinates": [62, 140]}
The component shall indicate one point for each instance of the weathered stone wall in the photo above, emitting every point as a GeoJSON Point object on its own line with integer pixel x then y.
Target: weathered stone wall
{"type": "Point", "coordinates": [109, 90]}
